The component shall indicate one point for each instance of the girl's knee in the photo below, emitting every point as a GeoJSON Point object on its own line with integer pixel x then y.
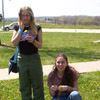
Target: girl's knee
{"type": "Point", "coordinates": [54, 98]}
{"type": "Point", "coordinates": [75, 96]}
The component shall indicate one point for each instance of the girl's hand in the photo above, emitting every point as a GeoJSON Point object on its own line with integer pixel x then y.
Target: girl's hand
{"type": "Point", "coordinates": [21, 25]}
{"type": "Point", "coordinates": [54, 87]}
{"type": "Point", "coordinates": [63, 88]}
{"type": "Point", "coordinates": [30, 38]}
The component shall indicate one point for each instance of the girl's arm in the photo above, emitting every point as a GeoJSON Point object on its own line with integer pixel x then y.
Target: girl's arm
{"type": "Point", "coordinates": [38, 43]}
{"type": "Point", "coordinates": [15, 38]}
{"type": "Point", "coordinates": [17, 34]}
{"type": "Point", "coordinates": [52, 90]}
{"type": "Point", "coordinates": [52, 93]}
{"type": "Point", "coordinates": [69, 88]}
{"type": "Point", "coordinates": [74, 88]}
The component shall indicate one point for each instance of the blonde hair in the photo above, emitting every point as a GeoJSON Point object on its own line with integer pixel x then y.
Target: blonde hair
{"type": "Point", "coordinates": [32, 20]}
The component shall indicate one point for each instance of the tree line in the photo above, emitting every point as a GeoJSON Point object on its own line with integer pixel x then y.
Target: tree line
{"type": "Point", "coordinates": [79, 20]}
{"type": "Point", "coordinates": [72, 20]}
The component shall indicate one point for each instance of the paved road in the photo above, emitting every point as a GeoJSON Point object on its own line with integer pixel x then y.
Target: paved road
{"type": "Point", "coordinates": [70, 30]}
{"type": "Point", "coordinates": [73, 30]}
{"type": "Point", "coordinates": [82, 67]}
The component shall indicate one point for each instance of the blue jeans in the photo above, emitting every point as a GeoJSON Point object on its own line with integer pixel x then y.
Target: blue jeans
{"type": "Point", "coordinates": [73, 96]}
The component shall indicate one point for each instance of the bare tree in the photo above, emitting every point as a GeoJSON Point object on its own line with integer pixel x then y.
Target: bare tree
{"type": "Point", "coordinates": [0, 41]}
{"type": "Point", "coordinates": [56, 20]}
{"type": "Point", "coordinates": [0, 17]}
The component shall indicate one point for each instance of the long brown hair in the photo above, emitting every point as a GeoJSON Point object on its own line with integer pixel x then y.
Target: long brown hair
{"type": "Point", "coordinates": [68, 77]}
{"type": "Point", "coordinates": [32, 20]}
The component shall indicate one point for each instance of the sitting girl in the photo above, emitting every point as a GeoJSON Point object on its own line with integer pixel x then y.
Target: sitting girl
{"type": "Point", "coordinates": [63, 80]}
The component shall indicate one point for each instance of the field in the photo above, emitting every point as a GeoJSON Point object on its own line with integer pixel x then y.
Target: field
{"type": "Point", "coordinates": [63, 26]}
{"type": "Point", "coordinates": [89, 88]}
{"type": "Point", "coordinates": [79, 47]}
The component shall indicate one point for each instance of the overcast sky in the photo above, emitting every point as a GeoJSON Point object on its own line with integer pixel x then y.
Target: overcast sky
{"type": "Point", "coordinates": [52, 7]}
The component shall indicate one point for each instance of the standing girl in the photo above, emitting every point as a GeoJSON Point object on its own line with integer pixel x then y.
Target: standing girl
{"type": "Point", "coordinates": [63, 80]}
{"type": "Point", "coordinates": [28, 37]}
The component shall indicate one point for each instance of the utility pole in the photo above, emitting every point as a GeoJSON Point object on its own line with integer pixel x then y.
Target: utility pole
{"type": "Point", "coordinates": [75, 23]}
{"type": "Point", "coordinates": [3, 19]}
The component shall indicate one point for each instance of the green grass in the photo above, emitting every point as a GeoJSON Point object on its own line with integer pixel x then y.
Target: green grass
{"type": "Point", "coordinates": [77, 46]}
{"type": "Point", "coordinates": [6, 23]}
{"type": "Point", "coordinates": [6, 51]}
{"type": "Point", "coordinates": [89, 88]}
{"type": "Point", "coordinates": [63, 26]}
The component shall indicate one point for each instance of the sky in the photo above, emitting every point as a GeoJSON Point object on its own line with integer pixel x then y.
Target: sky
{"type": "Point", "coordinates": [52, 7]}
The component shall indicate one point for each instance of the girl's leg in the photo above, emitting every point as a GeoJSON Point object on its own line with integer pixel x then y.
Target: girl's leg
{"type": "Point", "coordinates": [55, 98]}
{"type": "Point", "coordinates": [75, 96]}
{"type": "Point", "coordinates": [64, 98]}
{"type": "Point", "coordinates": [25, 84]}
{"type": "Point", "coordinates": [36, 76]}
{"type": "Point", "coordinates": [61, 98]}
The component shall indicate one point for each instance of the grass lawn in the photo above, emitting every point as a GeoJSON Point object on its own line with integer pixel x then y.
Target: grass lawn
{"type": "Point", "coordinates": [79, 47]}
{"type": "Point", "coordinates": [63, 26]}
{"type": "Point", "coordinates": [89, 88]}
{"type": "Point", "coordinates": [6, 23]}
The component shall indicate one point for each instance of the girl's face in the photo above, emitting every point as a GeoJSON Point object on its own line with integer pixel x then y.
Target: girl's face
{"type": "Point", "coordinates": [25, 17]}
{"type": "Point", "coordinates": [61, 64]}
